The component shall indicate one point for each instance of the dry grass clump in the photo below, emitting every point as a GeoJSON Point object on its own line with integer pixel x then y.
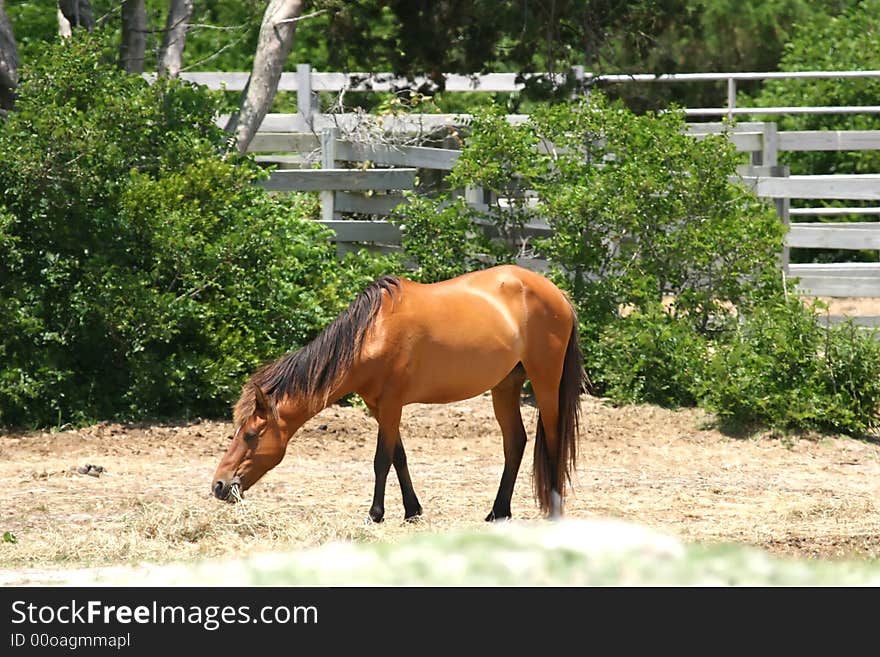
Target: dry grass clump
{"type": "Point", "coordinates": [161, 531]}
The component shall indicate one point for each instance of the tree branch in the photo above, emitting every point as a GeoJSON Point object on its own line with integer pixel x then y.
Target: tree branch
{"type": "Point", "coordinates": [174, 41]}
{"type": "Point", "coordinates": [273, 48]}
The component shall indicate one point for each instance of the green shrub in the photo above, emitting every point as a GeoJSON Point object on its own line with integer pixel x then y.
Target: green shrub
{"type": "Point", "coordinates": [441, 240]}
{"type": "Point", "coordinates": [440, 235]}
{"type": "Point", "coordinates": [142, 273]}
{"type": "Point", "coordinates": [782, 369]}
{"type": "Point", "coordinates": [762, 374]}
{"type": "Point", "coordinates": [650, 356]}
{"type": "Point", "coordinates": [850, 377]}
{"type": "Point", "coordinates": [641, 211]}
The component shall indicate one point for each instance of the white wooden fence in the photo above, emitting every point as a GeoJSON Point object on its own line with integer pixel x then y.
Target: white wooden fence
{"type": "Point", "coordinates": [288, 137]}
{"type": "Point", "coordinates": [306, 83]}
{"type": "Point", "coordinates": [341, 195]}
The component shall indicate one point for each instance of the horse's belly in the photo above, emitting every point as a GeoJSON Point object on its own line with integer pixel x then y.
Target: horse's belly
{"type": "Point", "coordinates": [442, 376]}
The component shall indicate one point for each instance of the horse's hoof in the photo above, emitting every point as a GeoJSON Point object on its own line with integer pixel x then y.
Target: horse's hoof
{"type": "Point", "coordinates": [377, 515]}
{"type": "Point", "coordinates": [415, 516]}
{"type": "Point", "coordinates": [413, 520]}
{"type": "Point", "coordinates": [496, 518]}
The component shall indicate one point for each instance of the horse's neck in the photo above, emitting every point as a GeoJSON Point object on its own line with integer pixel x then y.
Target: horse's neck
{"type": "Point", "coordinates": [293, 413]}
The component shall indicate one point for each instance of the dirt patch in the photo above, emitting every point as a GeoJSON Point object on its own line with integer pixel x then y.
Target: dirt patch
{"type": "Point", "coordinates": [850, 306]}
{"type": "Point", "coordinates": [667, 469]}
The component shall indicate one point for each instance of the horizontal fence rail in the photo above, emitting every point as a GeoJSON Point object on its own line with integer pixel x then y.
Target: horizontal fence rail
{"type": "Point", "coordinates": [348, 122]}
{"type": "Point", "coordinates": [833, 187]}
{"type": "Point", "coordinates": [490, 82]}
{"type": "Point", "coordinates": [306, 82]}
{"type": "Point", "coordinates": [856, 236]}
{"type": "Point", "coordinates": [852, 279]}
{"type": "Point", "coordinates": [832, 211]}
{"type": "Point", "coordinates": [407, 156]}
{"type": "Point", "coordinates": [829, 140]}
{"type": "Point", "coordinates": [317, 180]}
{"type": "Point", "coordinates": [790, 109]}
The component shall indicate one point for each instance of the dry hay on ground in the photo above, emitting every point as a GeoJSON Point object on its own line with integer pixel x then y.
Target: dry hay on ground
{"type": "Point", "coordinates": [665, 469]}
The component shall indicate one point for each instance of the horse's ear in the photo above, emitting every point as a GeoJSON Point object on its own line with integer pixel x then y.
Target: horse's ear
{"type": "Point", "coordinates": [263, 408]}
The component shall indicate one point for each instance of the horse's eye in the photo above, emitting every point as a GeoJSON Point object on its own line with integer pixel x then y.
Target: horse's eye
{"type": "Point", "coordinates": [250, 437]}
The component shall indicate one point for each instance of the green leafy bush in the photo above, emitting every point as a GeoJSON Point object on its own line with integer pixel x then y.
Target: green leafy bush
{"type": "Point", "coordinates": [142, 273]}
{"type": "Point", "coordinates": [442, 236]}
{"type": "Point", "coordinates": [441, 241]}
{"type": "Point", "coordinates": [638, 209]}
{"type": "Point", "coordinates": [780, 368]}
{"type": "Point", "coordinates": [650, 356]}
{"type": "Point", "coordinates": [641, 211]}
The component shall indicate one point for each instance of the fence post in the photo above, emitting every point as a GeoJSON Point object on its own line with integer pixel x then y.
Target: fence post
{"type": "Point", "coordinates": [770, 146]}
{"type": "Point", "coordinates": [328, 161]}
{"type": "Point", "coordinates": [731, 98]}
{"type": "Point", "coordinates": [783, 205]}
{"type": "Point", "coordinates": [304, 92]}
{"type": "Point", "coordinates": [577, 73]}
{"type": "Point", "coordinates": [474, 196]}
{"type": "Point", "coordinates": [768, 156]}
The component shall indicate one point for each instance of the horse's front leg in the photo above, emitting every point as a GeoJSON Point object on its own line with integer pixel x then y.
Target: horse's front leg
{"type": "Point", "coordinates": [381, 466]}
{"type": "Point", "coordinates": [389, 449]}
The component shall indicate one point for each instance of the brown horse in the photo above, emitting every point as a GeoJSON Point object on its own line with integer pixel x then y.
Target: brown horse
{"type": "Point", "coordinates": [402, 342]}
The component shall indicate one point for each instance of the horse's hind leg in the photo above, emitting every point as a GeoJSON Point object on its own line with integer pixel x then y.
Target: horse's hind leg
{"type": "Point", "coordinates": [389, 449]}
{"type": "Point", "coordinates": [505, 402]}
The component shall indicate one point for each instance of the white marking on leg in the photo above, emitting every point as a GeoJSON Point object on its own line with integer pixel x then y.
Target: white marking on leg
{"type": "Point", "coordinates": [555, 504]}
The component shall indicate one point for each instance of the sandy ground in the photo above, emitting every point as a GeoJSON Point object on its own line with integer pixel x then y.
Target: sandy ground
{"type": "Point", "coordinates": [850, 307]}
{"type": "Point", "coordinates": [666, 469]}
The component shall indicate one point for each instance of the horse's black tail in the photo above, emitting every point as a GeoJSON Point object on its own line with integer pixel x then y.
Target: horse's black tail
{"type": "Point", "coordinates": [550, 476]}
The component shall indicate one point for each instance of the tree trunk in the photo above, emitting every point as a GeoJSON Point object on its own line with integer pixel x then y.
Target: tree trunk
{"type": "Point", "coordinates": [78, 13]}
{"type": "Point", "coordinates": [171, 55]}
{"type": "Point", "coordinates": [134, 36]}
{"type": "Point", "coordinates": [273, 47]}
{"type": "Point", "coordinates": [8, 62]}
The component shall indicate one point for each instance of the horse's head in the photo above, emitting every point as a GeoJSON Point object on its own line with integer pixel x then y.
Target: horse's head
{"type": "Point", "coordinates": [257, 446]}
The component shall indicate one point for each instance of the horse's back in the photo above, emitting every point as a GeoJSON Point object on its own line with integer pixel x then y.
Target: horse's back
{"type": "Point", "coordinates": [507, 295]}
{"type": "Point", "coordinates": [500, 301]}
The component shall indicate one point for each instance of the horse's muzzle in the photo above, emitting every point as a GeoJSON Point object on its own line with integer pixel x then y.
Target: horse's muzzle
{"type": "Point", "coordinates": [223, 489]}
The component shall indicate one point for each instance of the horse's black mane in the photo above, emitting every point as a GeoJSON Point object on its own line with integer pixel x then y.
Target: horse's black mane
{"type": "Point", "coordinates": [317, 368]}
